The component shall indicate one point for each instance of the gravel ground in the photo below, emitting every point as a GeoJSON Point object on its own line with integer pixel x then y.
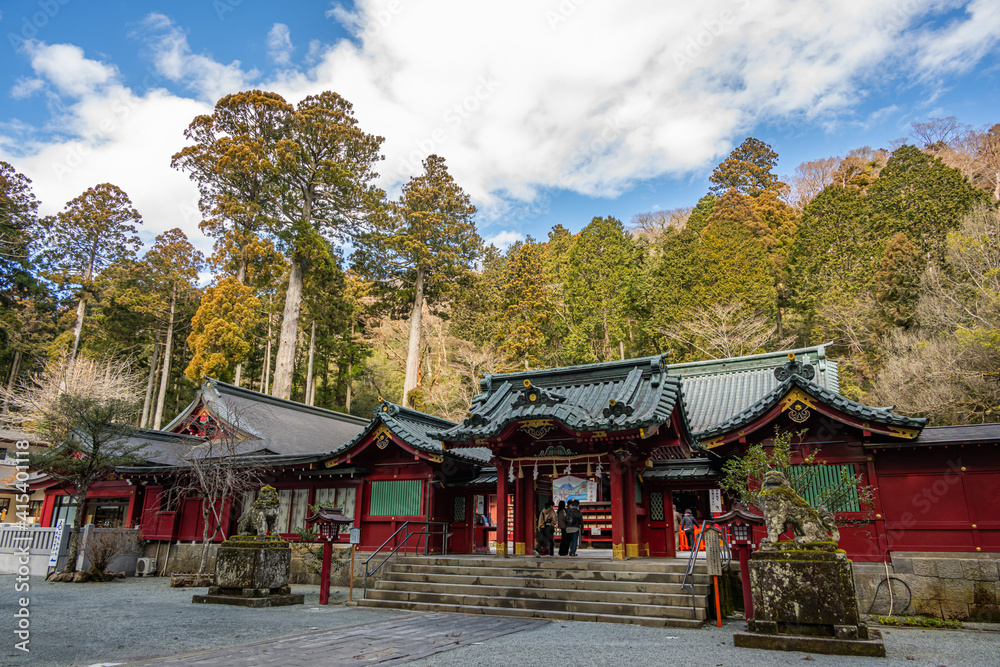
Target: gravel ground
{"type": "Point", "coordinates": [604, 644]}
{"type": "Point", "coordinates": [137, 619]}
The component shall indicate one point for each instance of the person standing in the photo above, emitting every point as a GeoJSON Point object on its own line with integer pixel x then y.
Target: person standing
{"type": "Point", "coordinates": [546, 528]}
{"type": "Point", "coordinates": [677, 529]}
{"type": "Point", "coordinates": [687, 525]}
{"type": "Point", "coordinates": [564, 538]}
{"type": "Point", "coordinates": [574, 525]}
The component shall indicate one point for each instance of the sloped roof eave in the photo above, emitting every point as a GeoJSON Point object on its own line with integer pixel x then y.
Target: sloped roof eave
{"type": "Point", "coordinates": [840, 403]}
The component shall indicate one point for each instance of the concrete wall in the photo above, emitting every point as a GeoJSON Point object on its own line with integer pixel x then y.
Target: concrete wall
{"type": "Point", "coordinates": [954, 586]}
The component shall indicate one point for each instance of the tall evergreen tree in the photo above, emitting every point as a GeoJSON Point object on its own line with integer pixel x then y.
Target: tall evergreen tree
{"type": "Point", "coordinates": [422, 251]}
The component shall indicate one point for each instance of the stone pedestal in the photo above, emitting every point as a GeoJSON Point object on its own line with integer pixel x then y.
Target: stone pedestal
{"type": "Point", "coordinates": [804, 600]}
{"type": "Point", "coordinates": [252, 572]}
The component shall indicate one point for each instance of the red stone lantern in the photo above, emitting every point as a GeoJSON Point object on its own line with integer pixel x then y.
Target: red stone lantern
{"type": "Point", "coordinates": [328, 521]}
{"type": "Point", "coordinates": [741, 523]}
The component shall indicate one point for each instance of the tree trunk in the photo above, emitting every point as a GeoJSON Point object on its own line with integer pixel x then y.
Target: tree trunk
{"type": "Point", "coordinates": [15, 366]}
{"type": "Point", "coordinates": [206, 539]}
{"type": "Point", "coordinates": [78, 329]}
{"type": "Point", "coordinates": [265, 380]}
{"type": "Point", "coordinates": [413, 348]}
{"type": "Point", "coordinates": [285, 359]}
{"type": "Point", "coordinates": [310, 380]}
{"type": "Point", "coordinates": [165, 376]}
{"type": "Point", "coordinates": [239, 374]}
{"type": "Point", "coordinates": [147, 403]}
{"type": "Point", "coordinates": [621, 349]}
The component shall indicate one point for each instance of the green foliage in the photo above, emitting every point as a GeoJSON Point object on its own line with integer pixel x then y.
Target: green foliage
{"type": "Point", "coordinates": [430, 232]}
{"type": "Point", "coordinates": [749, 170]}
{"type": "Point", "coordinates": [919, 622]}
{"type": "Point", "coordinates": [524, 307]}
{"type": "Point", "coordinates": [222, 330]}
{"type": "Point", "coordinates": [743, 476]}
{"type": "Point", "coordinates": [602, 292]}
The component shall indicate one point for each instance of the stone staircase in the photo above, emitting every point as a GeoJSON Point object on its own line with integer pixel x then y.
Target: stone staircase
{"type": "Point", "coordinates": [638, 591]}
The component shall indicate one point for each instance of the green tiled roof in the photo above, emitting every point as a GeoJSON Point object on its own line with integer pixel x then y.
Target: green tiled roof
{"type": "Point", "coordinates": [610, 396]}
{"type": "Point", "coordinates": [884, 416]}
{"type": "Point", "coordinates": [720, 389]}
{"type": "Point", "coordinates": [413, 427]}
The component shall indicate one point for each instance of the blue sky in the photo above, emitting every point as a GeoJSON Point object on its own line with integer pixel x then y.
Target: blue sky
{"type": "Point", "coordinates": [548, 111]}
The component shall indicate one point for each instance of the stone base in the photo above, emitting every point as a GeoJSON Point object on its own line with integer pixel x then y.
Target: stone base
{"type": "Point", "coordinates": [191, 580]}
{"type": "Point", "coordinates": [245, 561]}
{"type": "Point", "coordinates": [254, 602]}
{"type": "Point", "coordinates": [872, 647]}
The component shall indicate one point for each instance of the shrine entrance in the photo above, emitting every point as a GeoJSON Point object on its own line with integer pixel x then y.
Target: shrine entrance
{"type": "Point", "coordinates": [587, 432]}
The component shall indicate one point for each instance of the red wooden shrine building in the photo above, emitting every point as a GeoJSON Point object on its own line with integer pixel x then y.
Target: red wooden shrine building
{"type": "Point", "coordinates": [634, 438]}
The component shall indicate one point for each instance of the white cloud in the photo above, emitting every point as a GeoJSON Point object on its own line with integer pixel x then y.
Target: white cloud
{"type": "Point", "coordinates": [26, 87]}
{"type": "Point", "coordinates": [173, 59]}
{"type": "Point", "coordinates": [504, 239]}
{"type": "Point", "coordinates": [551, 94]}
{"type": "Point", "coordinates": [279, 44]}
{"type": "Point", "coordinates": [64, 66]}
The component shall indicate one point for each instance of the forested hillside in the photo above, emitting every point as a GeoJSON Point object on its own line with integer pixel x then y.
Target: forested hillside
{"type": "Point", "coordinates": [326, 292]}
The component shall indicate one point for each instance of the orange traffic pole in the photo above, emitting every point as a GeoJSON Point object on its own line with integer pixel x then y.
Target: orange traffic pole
{"type": "Point", "coordinates": [718, 610]}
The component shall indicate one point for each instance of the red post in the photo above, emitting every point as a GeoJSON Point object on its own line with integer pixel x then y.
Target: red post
{"type": "Point", "coordinates": [718, 608]}
{"type": "Point", "coordinates": [501, 509]}
{"type": "Point", "coordinates": [617, 508]}
{"type": "Point", "coordinates": [744, 554]}
{"type": "Point", "coordinates": [631, 520]}
{"type": "Point", "coordinates": [324, 584]}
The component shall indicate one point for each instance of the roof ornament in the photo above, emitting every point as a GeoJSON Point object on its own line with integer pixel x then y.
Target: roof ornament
{"type": "Point", "coordinates": [532, 395]}
{"type": "Point", "coordinates": [803, 369]}
{"type": "Point", "coordinates": [617, 409]}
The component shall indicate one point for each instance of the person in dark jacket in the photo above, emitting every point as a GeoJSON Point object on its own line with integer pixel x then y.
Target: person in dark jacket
{"type": "Point", "coordinates": [574, 526]}
{"type": "Point", "coordinates": [687, 525]}
{"type": "Point", "coordinates": [561, 522]}
{"type": "Point", "coordinates": [546, 529]}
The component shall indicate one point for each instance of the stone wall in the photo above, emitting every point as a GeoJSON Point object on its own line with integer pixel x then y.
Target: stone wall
{"type": "Point", "coordinates": [953, 586]}
{"type": "Point", "coordinates": [184, 559]}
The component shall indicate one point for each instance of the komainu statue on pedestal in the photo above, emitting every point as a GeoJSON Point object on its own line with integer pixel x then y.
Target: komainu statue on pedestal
{"type": "Point", "coordinates": [783, 509]}
{"type": "Point", "coordinates": [259, 518]}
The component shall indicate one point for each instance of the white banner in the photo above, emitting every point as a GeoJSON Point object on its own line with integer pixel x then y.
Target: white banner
{"type": "Point", "coordinates": [56, 541]}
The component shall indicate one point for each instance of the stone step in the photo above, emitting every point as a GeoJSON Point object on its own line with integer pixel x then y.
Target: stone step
{"type": "Point", "coordinates": [660, 622]}
{"type": "Point", "coordinates": [675, 598]}
{"type": "Point", "coordinates": [554, 573]}
{"type": "Point", "coordinates": [626, 586]}
{"type": "Point", "coordinates": [556, 563]}
{"type": "Point", "coordinates": [563, 605]}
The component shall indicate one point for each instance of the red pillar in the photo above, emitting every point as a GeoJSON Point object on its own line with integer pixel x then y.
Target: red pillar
{"type": "Point", "coordinates": [668, 512]}
{"type": "Point", "coordinates": [324, 577]}
{"type": "Point", "coordinates": [631, 521]}
{"type": "Point", "coordinates": [522, 523]}
{"type": "Point", "coordinates": [744, 553]}
{"type": "Point", "coordinates": [501, 508]}
{"type": "Point", "coordinates": [617, 510]}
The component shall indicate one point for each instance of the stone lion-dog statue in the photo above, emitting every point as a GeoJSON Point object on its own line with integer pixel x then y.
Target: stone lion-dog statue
{"type": "Point", "coordinates": [784, 508]}
{"type": "Point", "coordinates": [259, 518]}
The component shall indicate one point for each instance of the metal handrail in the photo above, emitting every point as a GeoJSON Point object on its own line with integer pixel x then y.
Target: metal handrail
{"type": "Point", "coordinates": [426, 532]}
{"type": "Point", "coordinates": [727, 555]}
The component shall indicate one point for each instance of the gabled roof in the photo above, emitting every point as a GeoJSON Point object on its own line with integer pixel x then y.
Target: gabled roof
{"type": "Point", "coordinates": [272, 425]}
{"type": "Point", "coordinates": [413, 427]}
{"type": "Point", "coordinates": [800, 375]}
{"type": "Point", "coordinates": [611, 396]}
{"type": "Point", "coordinates": [719, 390]}
{"type": "Point", "coordinates": [682, 470]}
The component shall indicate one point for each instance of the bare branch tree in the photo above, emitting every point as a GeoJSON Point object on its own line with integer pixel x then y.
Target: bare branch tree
{"type": "Point", "coordinates": [107, 544]}
{"type": "Point", "coordinates": [938, 130]}
{"type": "Point", "coordinates": [725, 330]}
{"type": "Point", "coordinates": [809, 180]}
{"type": "Point", "coordinates": [85, 410]}
{"type": "Point", "coordinates": [220, 470]}
{"type": "Point", "coordinates": [650, 226]}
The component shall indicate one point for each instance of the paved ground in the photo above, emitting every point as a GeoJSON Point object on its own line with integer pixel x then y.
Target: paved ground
{"type": "Point", "coordinates": [143, 619]}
